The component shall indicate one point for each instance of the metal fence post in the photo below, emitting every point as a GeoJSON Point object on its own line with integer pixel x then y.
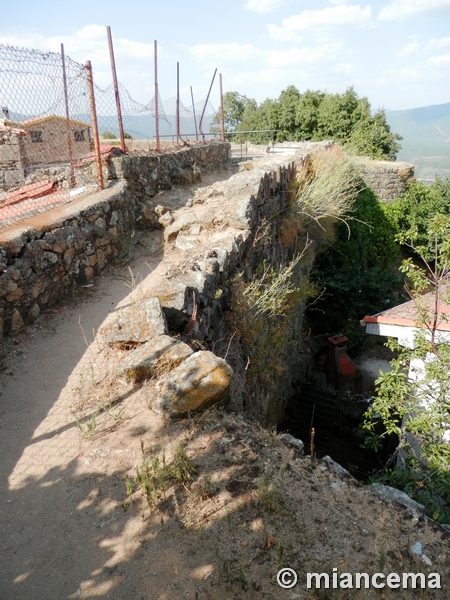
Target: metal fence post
{"type": "Point", "coordinates": [195, 118]}
{"type": "Point", "coordinates": [222, 119]}
{"type": "Point", "coordinates": [178, 103]}
{"type": "Point", "coordinates": [116, 89]}
{"type": "Point", "coordinates": [69, 137]}
{"type": "Point", "coordinates": [98, 158]}
{"type": "Point", "coordinates": [204, 108]}
{"type": "Point", "coordinates": [158, 147]}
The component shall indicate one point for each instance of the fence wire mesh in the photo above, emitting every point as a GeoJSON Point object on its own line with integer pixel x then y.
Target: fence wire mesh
{"type": "Point", "coordinates": [46, 129]}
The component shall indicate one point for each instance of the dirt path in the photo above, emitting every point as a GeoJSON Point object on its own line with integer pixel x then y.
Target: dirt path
{"type": "Point", "coordinates": [70, 434]}
{"type": "Point", "coordinates": [63, 534]}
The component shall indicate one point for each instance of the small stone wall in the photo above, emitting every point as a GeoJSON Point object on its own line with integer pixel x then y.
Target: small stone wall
{"type": "Point", "coordinates": [11, 158]}
{"type": "Point", "coordinates": [44, 258]}
{"type": "Point", "coordinates": [387, 179]}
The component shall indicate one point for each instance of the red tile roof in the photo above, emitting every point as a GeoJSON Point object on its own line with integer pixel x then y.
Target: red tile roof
{"type": "Point", "coordinates": [405, 314]}
{"type": "Point", "coordinates": [33, 190]}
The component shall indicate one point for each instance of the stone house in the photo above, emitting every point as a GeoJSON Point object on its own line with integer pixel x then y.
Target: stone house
{"type": "Point", "coordinates": [38, 143]}
{"type": "Point", "coordinates": [12, 156]}
{"type": "Point", "coordinates": [46, 140]}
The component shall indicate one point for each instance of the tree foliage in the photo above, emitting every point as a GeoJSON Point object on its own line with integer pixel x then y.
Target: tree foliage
{"type": "Point", "coordinates": [234, 105]}
{"type": "Point", "coordinates": [359, 270]}
{"type": "Point", "coordinates": [422, 217]}
{"type": "Point", "coordinates": [315, 115]}
{"type": "Point", "coordinates": [415, 406]}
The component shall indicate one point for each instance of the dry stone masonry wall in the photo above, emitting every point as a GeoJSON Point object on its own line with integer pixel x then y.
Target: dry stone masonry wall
{"type": "Point", "coordinates": [237, 231]}
{"type": "Point", "coordinates": [387, 179]}
{"type": "Point", "coordinates": [43, 259]}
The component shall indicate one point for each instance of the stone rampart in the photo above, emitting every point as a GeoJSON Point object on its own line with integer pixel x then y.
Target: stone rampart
{"type": "Point", "coordinates": [387, 179]}
{"type": "Point", "coordinates": [44, 258]}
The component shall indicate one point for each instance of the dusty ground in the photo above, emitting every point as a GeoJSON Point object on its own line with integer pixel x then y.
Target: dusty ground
{"type": "Point", "coordinates": [71, 437]}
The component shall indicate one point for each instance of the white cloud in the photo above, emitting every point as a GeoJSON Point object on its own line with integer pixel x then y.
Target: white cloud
{"type": "Point", "coordinates": [402, 9]}
{"type": "Point", "coordinates": [409, 49]}
{"type": "Point", "coordinates": [437, 61]}
{"type": "Point", "coordinates": [327, 17]}
{"type": "Point", "coordinates": [436, 44]}
{"type": "Point", "coordinates": [225, 53]}
{"type": "Point", "coordinates": [344, 69]}
{"type": "Point", "coordinates": [303, 56]}
{"type": "Point", "coordinates": [265, 6]}
{"type": "Point", "coordinates": [282, 34]}
{"type": "Point", "coordinates": [136, 49]}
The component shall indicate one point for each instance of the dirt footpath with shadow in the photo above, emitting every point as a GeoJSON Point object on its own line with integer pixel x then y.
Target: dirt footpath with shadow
{"type": "Point", "coordinates": [100, 497]}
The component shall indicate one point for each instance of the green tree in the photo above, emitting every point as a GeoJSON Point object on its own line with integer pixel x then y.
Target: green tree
{"type": "Point", "coordinates": [417, 214]}
{"type": "Point", "coordinates": [306, 114]}
{"type": "Point", "coordinates": [234, 105]}
{"type": "Point", "coordinates": [286, 121]}
{"type": "Point", "coordinates": [336, 116]}
{"type": "Point", "coordinates": [315, 115]}
{"type": "Point", "coordinates": [359, 270]}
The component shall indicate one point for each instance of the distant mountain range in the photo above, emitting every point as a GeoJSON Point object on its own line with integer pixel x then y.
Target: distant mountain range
{"type": "Point", "coordinates": [426, 138]}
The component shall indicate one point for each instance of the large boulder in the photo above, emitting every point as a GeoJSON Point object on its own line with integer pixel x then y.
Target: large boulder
{"type": "Point", "coordinates": [155, 357]}
{"type": "Point", "coordinates": [136, 325]}
{"type": "Point", "coordinates": [199, 382]}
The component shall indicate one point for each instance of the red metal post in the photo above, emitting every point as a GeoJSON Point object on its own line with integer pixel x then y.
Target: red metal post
{"type": "Point", "coordinates": [98, 158]}
{"type": "Point", "coordinates": [116, 89]}
{"type": "Point", "coordinates": [69, 136]}
{"type": "Point", "coordinates": [204, 108]}
{"type": "Point", "coordinates": [195, 118]}
{"type": "Point", "coordinates": [178, 102]}
{"type": "Point", "coordinates": [222, 119]}
{"type": "Point", "coordinates": [158, 147]}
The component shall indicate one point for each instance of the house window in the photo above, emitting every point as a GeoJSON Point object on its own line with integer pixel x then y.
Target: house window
{"type": "Point", "coordinates": [36, 137]}
{"type": "Point", "coordinates": [79, 135]}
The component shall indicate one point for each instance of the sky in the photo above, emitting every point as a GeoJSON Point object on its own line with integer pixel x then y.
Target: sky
{"type": "Point", "coordinates": [395, 52]}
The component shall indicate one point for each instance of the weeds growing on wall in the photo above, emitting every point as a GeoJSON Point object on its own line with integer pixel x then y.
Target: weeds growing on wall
{"type": "Point", "coordinates": [327, 186]}
{"type": "Point", "coordinates": [267, 307]}
{"type": "Point", "coordinates": [358, 267]}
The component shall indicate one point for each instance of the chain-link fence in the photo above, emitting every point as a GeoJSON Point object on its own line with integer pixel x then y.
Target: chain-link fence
{"type": "Point", "coordinates": [48, 126]}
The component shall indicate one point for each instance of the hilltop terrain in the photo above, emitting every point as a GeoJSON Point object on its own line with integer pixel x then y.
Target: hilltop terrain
{"type": "Point", "coordinates": [104, 498]}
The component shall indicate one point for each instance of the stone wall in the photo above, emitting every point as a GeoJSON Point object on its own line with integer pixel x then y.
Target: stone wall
{"type": "Point", "coordinates": [387, 179]}
{"type": "Point", "coordinates": [44, 258]}
{"type": "Point", "coordinates": [11, 158]}
{"type": "Point", "coordinates": [245, 231]}
{"type": "Point", "coordinates": [240, 227]}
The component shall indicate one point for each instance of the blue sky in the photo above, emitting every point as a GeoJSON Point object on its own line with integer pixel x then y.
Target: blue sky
{"type": "Point", "coordinates": [395, 52]}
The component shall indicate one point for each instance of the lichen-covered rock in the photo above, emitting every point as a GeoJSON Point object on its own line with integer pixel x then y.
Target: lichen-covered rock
{"type": "Point", "coordinates": [136, 325]}
{"type": "Point", "coordinates": [199, 382]}
{"type": "Point", "coordinates": [184, 221]}
{"type": "Point", "coordinates": [390, 494]}
{"type": "Point", "coordinates": [153, 358]}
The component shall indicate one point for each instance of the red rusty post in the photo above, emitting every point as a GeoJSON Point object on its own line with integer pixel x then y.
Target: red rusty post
{"type": "Point", "coordinates": [195, 118]}
{"type": "Point", "coordinates": [158, 147]}
{"type": "Point", "coordinates": [69, 137]}
{"type": "Point", "coordinates": [222, 119]}
{"type": "Point", "coordinates": [178, 103]}
{"type": "Point", "coordinates": [116, 89]}
{"type": "Point", "coordinates": [204, 108]}
{"type": "Point", "coordinates": [98, 158]}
